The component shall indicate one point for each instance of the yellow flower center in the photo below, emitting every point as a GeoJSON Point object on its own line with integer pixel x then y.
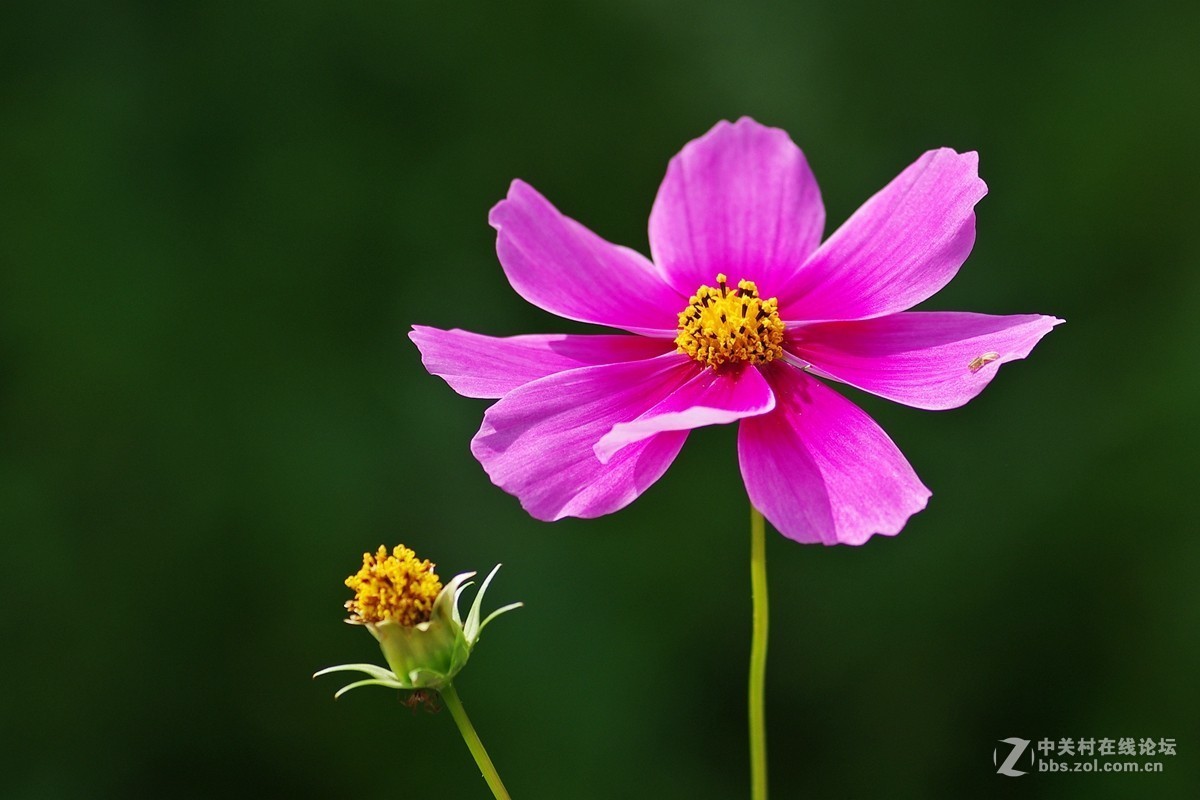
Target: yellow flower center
{"type": "Point", "coordinates": [396, 588]}
{"type": "Point", "coordinates": [726, 326]}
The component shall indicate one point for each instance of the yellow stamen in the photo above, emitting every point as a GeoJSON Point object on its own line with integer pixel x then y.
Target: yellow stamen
{"type": "Point", "coordinates": [396, 588]}
{"type": "Point", "coordinates": [724, 326]}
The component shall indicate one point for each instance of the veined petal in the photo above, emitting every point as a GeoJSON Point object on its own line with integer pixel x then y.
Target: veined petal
{"type": "Point", "coordinates": [711, 397]}
{"type": "Point", "coordinates": [536, 442]}
{"type": "Point", "coordinates": [821, 470]}
{"type": "Point", "coordinates": [897, 249]}
{"type": "Point", "coordinates": [560, 266]}
{"type": "Point", "coordinates": [933, 360]}
{"type": "Point", "coordinates": [490, 366]}
{"type": "Point", "coordinates": [740, 200]}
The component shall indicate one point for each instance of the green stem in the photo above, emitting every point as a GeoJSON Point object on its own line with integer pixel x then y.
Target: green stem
{"type": "Point", "coordinates": [758, 657]}
{"type": "Point", "coordinates": [450, 695]}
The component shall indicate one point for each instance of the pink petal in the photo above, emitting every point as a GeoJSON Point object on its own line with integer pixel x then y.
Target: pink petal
{"type": "Point", "coordinates": [536, 442]}
{"type": "Point", "coordinates": [560, 266]}
{"type": "Point", "coordinates": [899, 248]}
{"type": "Point", "coordinates": [488, 366]}
{"type": "Point", "coordinates": [741, 200]}
{"type": "Point", "coordinates": [709, 398]}
{"type": "Point", "coordinates": [821, 470]}
{"type": "Point", "coordinates": [932, 360]}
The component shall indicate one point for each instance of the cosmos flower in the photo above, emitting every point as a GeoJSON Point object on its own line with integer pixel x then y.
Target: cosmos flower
{"type": "Point", "coordinates": [401, 601]}
{"type": "Point", "coordinates": [745, 315]}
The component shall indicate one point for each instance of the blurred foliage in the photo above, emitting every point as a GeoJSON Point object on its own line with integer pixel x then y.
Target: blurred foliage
{"type": "Point", "coordinates": [219, 221]}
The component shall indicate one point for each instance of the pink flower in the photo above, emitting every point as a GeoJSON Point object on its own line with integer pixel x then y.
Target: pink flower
{"type": "Point", "coordinates": [740, 311]}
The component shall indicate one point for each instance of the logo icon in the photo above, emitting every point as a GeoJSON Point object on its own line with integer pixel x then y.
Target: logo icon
{"type": "Point", "coordinates": [1019, 746]}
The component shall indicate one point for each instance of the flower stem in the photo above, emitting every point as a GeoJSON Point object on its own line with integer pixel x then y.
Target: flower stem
{"type": "Point", "coordinates": [758, 657]}
{"type": "Point", "coordinates": [450, 695]}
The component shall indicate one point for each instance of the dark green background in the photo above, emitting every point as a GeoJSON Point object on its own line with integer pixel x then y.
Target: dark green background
{"type": "Point", "coordinates": [219, 222]}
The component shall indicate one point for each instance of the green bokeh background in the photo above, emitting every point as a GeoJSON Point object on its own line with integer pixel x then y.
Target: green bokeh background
{"type": "Point", "coordinates": [219, 222]}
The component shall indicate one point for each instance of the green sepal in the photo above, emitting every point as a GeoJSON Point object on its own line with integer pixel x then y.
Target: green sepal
{"type": "Point", "coordinates": [379, 677]}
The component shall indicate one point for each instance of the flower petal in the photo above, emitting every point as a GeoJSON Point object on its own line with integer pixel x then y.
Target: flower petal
{"type": "Point", "coordinates": [741, 200]}
{"type": "Point", "coordinates": [560, 266]}
{"type": "Point", "coordinates": [821, 470]}
{"type": "Point", "coordinates": [709, 398]}
{"type": "Point", "coordinates": [897, 249]}
{"type": "Point", "coordinates": [489, 366]}
{"type": "Point", "coordinates": [536, 442]}
{"type": "Point", "coordinates": [933, 360]}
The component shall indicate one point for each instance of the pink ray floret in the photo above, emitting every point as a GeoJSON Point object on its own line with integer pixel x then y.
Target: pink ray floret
{"type": "Point", "coordinates": [586, 423]}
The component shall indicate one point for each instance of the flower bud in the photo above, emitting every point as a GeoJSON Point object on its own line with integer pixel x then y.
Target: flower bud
{"type": "Point", "coordinates": [415, 619]}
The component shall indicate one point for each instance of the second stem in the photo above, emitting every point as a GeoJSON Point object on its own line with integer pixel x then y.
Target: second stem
{"type": "Point", "coordinates": [450, 696]}
{"type": "Point", "coordinates": [758, 657]}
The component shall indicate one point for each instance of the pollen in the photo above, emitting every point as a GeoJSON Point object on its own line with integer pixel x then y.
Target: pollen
{"type": "Point", "coordinates": [393, 588]}
{"type": "Point", "coordinates": [724, 325]}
